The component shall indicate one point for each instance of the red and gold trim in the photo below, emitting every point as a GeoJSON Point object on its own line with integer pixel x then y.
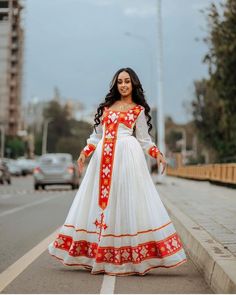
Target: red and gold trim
{"type": "Point", "coordinates": [129, 118]}
{"type": "Point", "coordinates": [112, 119]}
{"type": "Point", "coordinates": [88, 149]}
{"type": "Point", "coordinates": [125, 117]}
{"type": "Point", "coordinates": [107, 158]}
{"type": "Point", "coordinates": [153, 151]}
{"type": "Point", "coordinates": [121, 255]}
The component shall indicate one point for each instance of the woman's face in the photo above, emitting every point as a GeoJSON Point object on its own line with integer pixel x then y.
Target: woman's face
{"type": "Point", "coordinates": [124, 84]}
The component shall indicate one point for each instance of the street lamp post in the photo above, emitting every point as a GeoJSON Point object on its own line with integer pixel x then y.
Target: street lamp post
{"type": "Point", "coordinates": [45, 135]}
{"type": "Point", "coordinates": [145, 41]}
{"type": "Point", "coordinates": [184, 145]}
{"type": "Point", "coordinates": [2, 140]}
{"type": "Point", "coordinates": [160, 115]}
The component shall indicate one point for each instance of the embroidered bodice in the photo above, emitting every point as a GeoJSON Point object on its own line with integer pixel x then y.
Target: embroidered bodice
{"type": "Point", "coordinates": [116, 124]}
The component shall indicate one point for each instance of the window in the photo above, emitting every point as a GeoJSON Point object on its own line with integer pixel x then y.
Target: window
{"type": "Point", "coordinates": [3, 4]}
{"type": "Point", "coordinates": [3, 16]}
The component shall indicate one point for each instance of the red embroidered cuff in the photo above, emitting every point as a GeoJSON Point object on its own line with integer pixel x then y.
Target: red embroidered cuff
{"type": "Point", "coordinates": [88, 150]}
{"type": "Point", "coordinates": [153, 151]}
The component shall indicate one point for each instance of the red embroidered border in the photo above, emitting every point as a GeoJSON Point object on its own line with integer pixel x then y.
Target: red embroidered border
{"type": "Point", "coordinates": [112, 120]}
{"type": "Point", "coordinates": [118, 256]}
{"type": "Point", "coordinates": [107, 159]}
{"type": "Point", "coordinates": [88, 149]}
{"type": "Point", "coordinates": [153, 151]}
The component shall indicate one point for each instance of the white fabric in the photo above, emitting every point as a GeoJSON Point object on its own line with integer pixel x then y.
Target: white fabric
{"type": "Point", "coordinates": [134, 204]}
{"type": "Point", "coordinates": [142, 134]}
{"type": "Point", "coordinates": [94, 138]}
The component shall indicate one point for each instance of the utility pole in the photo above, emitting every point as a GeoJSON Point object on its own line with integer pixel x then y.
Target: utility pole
{"type": "Point", "coordinates": [2, 140]}
{"type": "Point", "coordinates": [45, 135]}
{"type": "Point", "coordinates": [160, 116]}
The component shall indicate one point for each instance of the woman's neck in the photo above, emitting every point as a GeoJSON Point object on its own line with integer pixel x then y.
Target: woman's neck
{"type": "Point", "coordinates": [126, 99]}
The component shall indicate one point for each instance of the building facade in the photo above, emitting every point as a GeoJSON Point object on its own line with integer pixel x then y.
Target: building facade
{"type": "Point", "coordinates": [11, 61]}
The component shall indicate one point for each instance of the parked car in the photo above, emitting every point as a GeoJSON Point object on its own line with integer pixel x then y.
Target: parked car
{"type": "Point", "coordinates": [26, 165]}
{"type": "Point", "coordinates": [56, 168]}
{"type": "Point", "coordinates": [5, 175]}
{"type": "Point", "coordinates": [14, 169]}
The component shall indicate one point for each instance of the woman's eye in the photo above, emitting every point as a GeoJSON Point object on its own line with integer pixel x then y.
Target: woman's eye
{"type": "Point", "coordinates": [120, 82]}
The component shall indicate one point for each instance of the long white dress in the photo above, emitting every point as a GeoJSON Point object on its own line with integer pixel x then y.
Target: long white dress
{"type": "Point", "coordinates": [117, 223]}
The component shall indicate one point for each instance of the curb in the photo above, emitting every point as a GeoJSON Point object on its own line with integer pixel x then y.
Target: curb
{"type": "Point", "coordinates": [217, 264]}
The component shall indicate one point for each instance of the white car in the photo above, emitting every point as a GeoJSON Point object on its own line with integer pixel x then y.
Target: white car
{"type": "Point", "coordinates": [56, 168]}
{"type": "Point", "coordinates": [26, 165]}
{"type": "Point", "coordinates": [14, 169]}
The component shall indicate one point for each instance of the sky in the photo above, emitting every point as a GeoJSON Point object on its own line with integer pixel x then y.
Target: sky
{"type": "Point", "coordinates": [78, 45]}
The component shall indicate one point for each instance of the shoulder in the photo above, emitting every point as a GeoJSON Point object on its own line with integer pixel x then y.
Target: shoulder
{"type": "Point", "coordinates": [139, 109]}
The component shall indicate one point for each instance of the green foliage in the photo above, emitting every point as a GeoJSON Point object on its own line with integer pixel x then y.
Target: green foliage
{"type": "Point", "coordinates": [65, 135]}
{"type": "Point", "coordinates": [70, 145]}
{"type": "Point", "coordinates": [171, 138]}
{"type": "Point", "coordinates": [14, 147]}
{"type": "Point", "coordinates": [214, 108]}
{"type": "Point", "coordinates": [38, 144]}
{"type": "Point", "coordinates": [195, 161]}
{"type": "Point", "coordinates": [58, 126]}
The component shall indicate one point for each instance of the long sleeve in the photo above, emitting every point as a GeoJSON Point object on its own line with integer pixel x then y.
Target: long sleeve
{"type": "Point", "coordinates": [92, 141]}
{"type": "Point", "coordinates": [143, 136]}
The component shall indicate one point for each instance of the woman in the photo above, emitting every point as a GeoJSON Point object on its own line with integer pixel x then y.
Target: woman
{"type": "Point", "coordinates": [117, 223]}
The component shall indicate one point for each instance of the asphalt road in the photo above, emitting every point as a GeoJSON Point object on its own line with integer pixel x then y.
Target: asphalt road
{"type": "Point", "coordinates": [27, 217]}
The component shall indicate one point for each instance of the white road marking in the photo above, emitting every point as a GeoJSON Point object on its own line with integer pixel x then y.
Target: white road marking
{"type": "Point", "coordinates": [14, 270]}
{"type": "Point", "coordinates": [29, 205]}
{"type": "Point", "coordinates": [8, 275]}
{"type": "Point", "coordinates": [108, 285]}
{"type": "Point", "coordinates": [6, 196]}
{"type": "Point", "coordinates": [14, 193]}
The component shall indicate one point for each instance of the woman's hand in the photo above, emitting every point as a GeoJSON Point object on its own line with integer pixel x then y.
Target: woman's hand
{"type": "Point", "coordinates": [80, 162]}
{"type": "Point", "coordinates": [161, 160]}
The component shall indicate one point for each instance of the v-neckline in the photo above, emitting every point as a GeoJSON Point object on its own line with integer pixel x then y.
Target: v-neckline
{"type": "Point", "coordinates": [109, 110]}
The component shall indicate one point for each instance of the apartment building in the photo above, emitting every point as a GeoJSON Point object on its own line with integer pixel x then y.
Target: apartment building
{"type": "Point", "coordinates": [11, 55]}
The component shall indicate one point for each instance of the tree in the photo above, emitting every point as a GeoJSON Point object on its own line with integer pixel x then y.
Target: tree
{"type": "Point", "coordinates": [59, 125]}
{"type": "Point", "coordinates": [16, 147]}
{"type": "Point", "coordinates": [171, 139]}
{"type": "Point", "coordinates": [214, 108]}
{"type": "Point", "coordinates": [64, 134]}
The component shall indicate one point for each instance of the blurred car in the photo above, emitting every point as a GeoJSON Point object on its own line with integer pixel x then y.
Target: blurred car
{"type": "Point", "coordinates": [56, 168]}
{"type": "Point", "coordinates": [13, 168]}
{"type": "Point", "coordinates": [26, 165]}
{"type": "Point", "coordinates": [5, 175]}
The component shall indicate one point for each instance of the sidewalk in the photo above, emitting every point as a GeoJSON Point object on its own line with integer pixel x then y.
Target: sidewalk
{"type": "Point", "coordinates": [205, 217]}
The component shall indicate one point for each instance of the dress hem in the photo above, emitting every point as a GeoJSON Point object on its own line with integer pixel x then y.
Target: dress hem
{"type": "Point", "coordinates": [89, 267]}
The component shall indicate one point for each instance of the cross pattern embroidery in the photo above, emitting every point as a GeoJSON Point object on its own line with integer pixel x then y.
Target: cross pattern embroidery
{"type": "Point", "coordinates": [101, 225]}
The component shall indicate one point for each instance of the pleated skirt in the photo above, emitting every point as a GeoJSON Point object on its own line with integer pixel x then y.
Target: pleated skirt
{"type": "Point", "coordinates": [133, 235]}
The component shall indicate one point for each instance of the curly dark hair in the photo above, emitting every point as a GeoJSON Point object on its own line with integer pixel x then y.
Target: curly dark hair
{"type": "Point", "coordinates": [113, 95]}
